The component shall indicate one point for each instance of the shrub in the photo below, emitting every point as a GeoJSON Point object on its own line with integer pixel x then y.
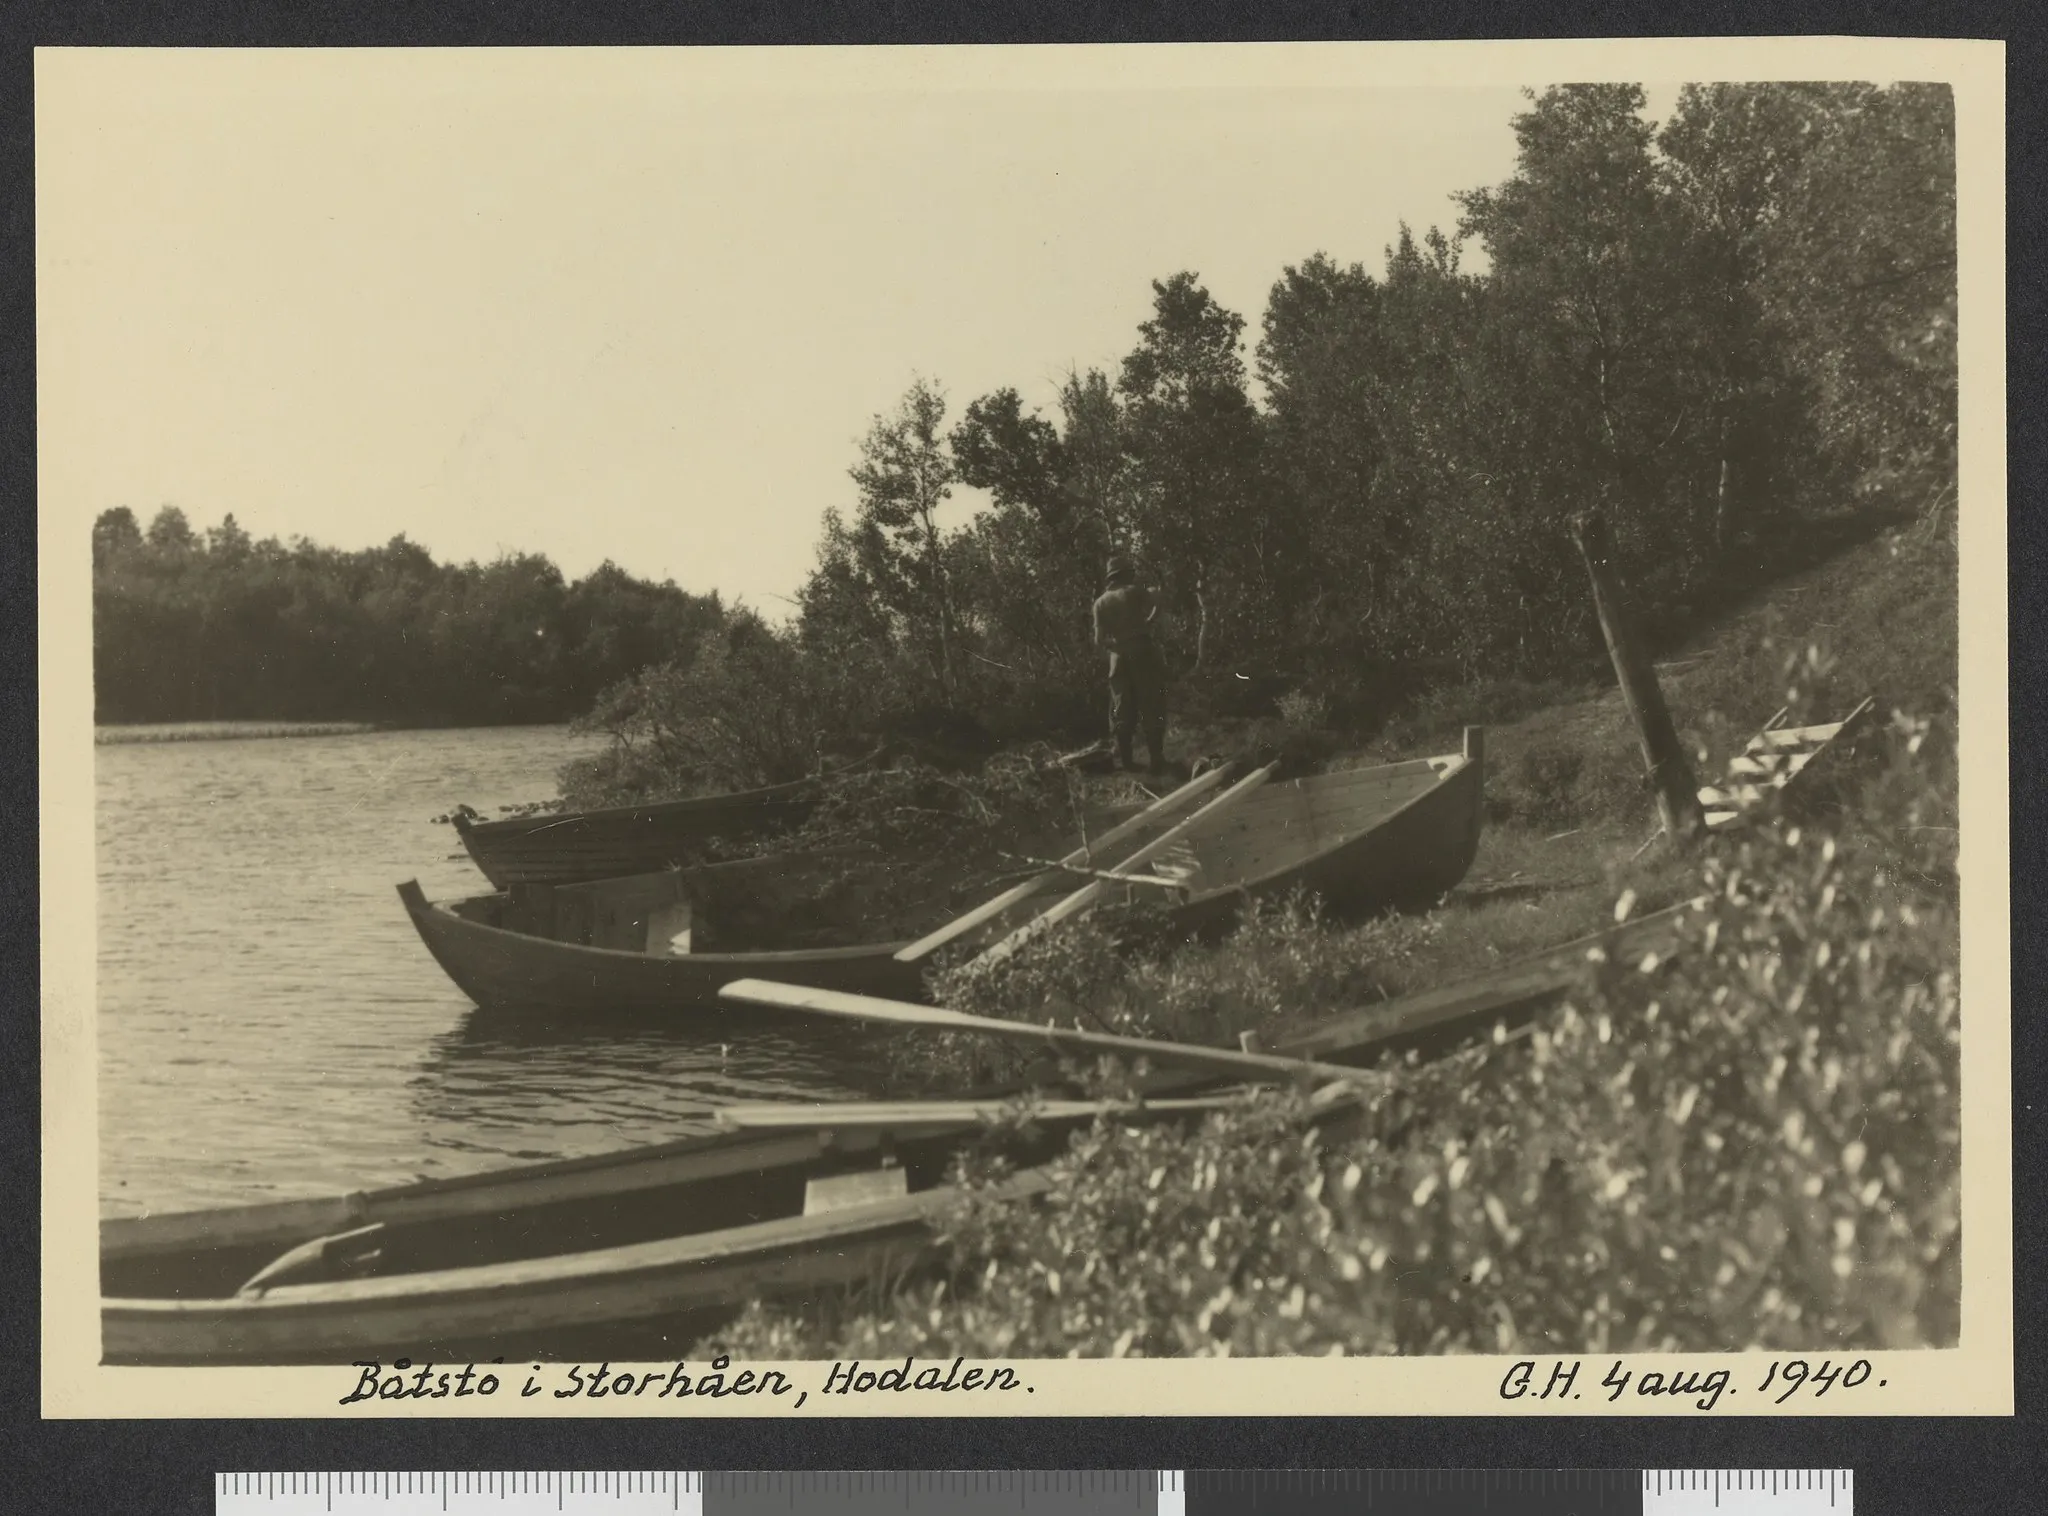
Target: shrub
{"type": "Point", "coordinates": [1446, 710]}
{"type": "Point", "coordinates": [1124, 969]}
{"type": "Point", "coordinates": [1752, 1143]}
{"type": "Point", "coordinates": [1303, 710]}
{"type": "Point", "coordinates": [747, 708]}
{"type": "Point", "coordinates": [1544, 778]}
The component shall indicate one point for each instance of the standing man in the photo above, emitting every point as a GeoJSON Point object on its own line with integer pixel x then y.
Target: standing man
{"type": "Point", "coordinates": [1137, 675]}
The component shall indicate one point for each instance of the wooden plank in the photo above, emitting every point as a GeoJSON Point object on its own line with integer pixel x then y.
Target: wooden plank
{"type": "Point", "coordinates": [1462, 1006]}
{"type": "Point", "coordinates": [919, 1115]}
{"type": "Point", "coordinates": [1256, 1067]}
{"type": "Point", "coordinates": [1794, 736]}
{"type": "Point", "coordinates": [1733, 794]}
{"type": "Point", "coordinates": [1088, 894]}
{"type": "Point", "coordinates": [925, 946]}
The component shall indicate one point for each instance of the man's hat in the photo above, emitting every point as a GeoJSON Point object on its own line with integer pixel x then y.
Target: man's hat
{"type": "Point", "coordinates": [1120, 567]}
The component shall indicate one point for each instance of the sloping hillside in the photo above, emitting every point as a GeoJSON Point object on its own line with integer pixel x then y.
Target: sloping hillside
{"type": "Point", "coordinates": [1751, 1141]}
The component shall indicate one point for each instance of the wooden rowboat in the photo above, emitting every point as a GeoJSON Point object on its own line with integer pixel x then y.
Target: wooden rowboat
{"type": "Point", "coordinates": [640, 1253]}
{"type": "Point", "coordinates": [1768, 765]}
{"type": "Point", "coordinates": [1395, 837]}
{"type": "Point", "coordinates": [661, 942]}
{"type": "Point", "coordinates": [1367, 840]}
{"type": "Point", "coordinates": [574, 846]}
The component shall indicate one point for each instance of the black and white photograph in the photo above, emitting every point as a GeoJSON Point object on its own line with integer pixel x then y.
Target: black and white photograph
{"type": "Point", "coordinates": [863, 731]}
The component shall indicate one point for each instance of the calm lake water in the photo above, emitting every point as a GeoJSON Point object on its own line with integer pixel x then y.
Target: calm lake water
{"type": "Point", "coordinates": [270, 1025]}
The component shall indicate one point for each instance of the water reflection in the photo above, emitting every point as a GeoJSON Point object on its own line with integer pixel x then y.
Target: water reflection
{"type": "Point", "coordinates": [595, 1083]}
{"type": "Point", "coordinates": [271, 1026]}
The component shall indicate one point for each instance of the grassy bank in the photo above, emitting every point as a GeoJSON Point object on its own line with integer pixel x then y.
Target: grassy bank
{"type": "Point", "coordinates": [1754, 1143]}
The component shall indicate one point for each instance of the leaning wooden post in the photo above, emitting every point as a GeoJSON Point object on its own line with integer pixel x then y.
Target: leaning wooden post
{"type": "Point", "coordinates": [1678, 795]}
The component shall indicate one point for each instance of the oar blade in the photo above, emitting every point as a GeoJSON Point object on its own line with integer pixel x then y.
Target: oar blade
{"type": "Point", "coordinates": [799, 997]}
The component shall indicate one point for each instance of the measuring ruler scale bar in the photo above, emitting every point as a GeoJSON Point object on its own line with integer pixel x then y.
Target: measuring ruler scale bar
{"type": "Point", "coordinates": [1098, 1492]}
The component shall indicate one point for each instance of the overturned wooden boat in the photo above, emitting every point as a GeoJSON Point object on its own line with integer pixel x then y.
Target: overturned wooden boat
{"type": "Point", "coordinates": [1771, 762]}
{"type": "Point", "coordinates": [639, 1254]}
{"type": "Point", "coordinates": [570, 847]}
{"type": "Point", "coordinates": [659, 942]}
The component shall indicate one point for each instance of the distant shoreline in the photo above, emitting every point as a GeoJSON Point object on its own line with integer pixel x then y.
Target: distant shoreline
{"type": "Point", "coordinates": [228, 731]}
{"type": "Point", "coordinates": [128, 733]}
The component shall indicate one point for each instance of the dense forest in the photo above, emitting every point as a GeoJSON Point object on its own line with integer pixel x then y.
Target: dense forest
{"type": "Point", "coordinates": [217, 626]}
{"type": "Point", "coordinates": [1719, 332]}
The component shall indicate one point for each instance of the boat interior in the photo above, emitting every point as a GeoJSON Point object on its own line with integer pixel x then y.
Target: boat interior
{"type": "Point", "coordinates": [753, 905]}
{"type": "Point", "coordinates": [1288, 823]}
{"type": "Point", "coordinates": [842, 1168]}
{"type": "Point", "coordinates": [778, 903]}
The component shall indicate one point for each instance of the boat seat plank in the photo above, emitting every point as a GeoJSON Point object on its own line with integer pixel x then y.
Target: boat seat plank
{"type": "Point", "coordinates": [668, 928]}
{"type": "Point", "coordinates": [840, 1192]}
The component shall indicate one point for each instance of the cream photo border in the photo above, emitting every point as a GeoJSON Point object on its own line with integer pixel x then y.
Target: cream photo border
{"type": "Point", "coordinates": [1975, 1377]}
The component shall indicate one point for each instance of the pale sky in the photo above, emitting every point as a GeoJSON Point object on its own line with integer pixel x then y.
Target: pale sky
{"type": "Point", "coordinates": [642, 309]}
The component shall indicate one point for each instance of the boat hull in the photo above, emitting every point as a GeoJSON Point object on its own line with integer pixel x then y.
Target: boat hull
{"type": "Point", "coordinates": [507, 970]}
{"type": "Point", "coordinates": [420, 1315]}
{"type": "Point", "coordinates": [585, 845]}
{"type": "Point", "coordinates": [211, 1253]}
{"type": "Point", "coordinates": [1407, 860]}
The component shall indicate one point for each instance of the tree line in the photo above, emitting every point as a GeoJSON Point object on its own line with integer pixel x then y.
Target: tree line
{"type": "Point", "coordinates": [1720, 332]}
{"type": "Point", "coordinates": [213, 625]}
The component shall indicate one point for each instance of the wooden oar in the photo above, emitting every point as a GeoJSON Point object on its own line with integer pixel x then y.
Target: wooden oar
{"type": "Point", "coordinates": [924, 947]}
{"type": "Point", "coordinates": [1261, 1068]}
{"type": "Point", "coordinates": [778, 1115]}
{"type": "Point", "coordinates": [1088, 894]}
